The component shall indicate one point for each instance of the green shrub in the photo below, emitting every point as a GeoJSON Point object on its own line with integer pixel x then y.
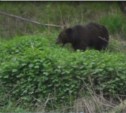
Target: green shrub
{"type": "Point", "coordinates": [114, 22]}
{"type": "Point", "coordinates": [51, 70]}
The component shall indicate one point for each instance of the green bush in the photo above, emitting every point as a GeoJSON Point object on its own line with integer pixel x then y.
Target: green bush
{"type": "Point", "coordinates": [114, 22]}
{"type": "Point", "coordinates": [47, 69]}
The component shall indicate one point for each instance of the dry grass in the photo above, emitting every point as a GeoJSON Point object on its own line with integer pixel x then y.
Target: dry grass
{"type": "Point", "coordinates": [91, 104]}
{"type": "Point", "coordinates": [117, 44]}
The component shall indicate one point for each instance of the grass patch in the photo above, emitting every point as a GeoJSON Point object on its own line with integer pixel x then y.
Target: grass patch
{"type": "Point", "coordinates": [72, 13]}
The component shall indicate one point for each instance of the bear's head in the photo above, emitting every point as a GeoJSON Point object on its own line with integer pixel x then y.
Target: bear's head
{"type": "Point", "coordinates": [64, 37]}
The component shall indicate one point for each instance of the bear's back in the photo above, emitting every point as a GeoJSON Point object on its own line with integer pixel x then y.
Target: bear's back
{"type": "Point", "coordinates": [91, 35]}
{"type": "Point", "coordinates": [90, 30]}
{"type": "Point", "coordinates": [85, 32]}
{"type": "Point", "coordinates": [80, 32]}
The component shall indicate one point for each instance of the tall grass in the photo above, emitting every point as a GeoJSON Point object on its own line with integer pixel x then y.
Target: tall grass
{"type": "Point", "coordinates": [106, 13]}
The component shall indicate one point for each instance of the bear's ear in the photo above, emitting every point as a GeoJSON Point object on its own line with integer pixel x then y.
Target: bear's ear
{"type": "Point", "coordinates": [69, 30]}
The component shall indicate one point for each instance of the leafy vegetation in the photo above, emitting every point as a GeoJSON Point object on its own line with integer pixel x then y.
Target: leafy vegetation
{"type": "Point", "coordinates": [34, 67]}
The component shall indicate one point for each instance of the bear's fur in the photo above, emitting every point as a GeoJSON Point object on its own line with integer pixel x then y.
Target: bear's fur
{"type": "Point", "coordinates": [81, 37]}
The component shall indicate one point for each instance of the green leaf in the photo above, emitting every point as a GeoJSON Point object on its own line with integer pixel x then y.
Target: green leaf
{"type": "Point", "coordinates": [31, 65]}
{"type": "Point", "coordinates": [14, 70]}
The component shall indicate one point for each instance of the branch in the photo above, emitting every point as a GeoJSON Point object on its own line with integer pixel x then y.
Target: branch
{"type": "Point", "coordinates": [28, 20]}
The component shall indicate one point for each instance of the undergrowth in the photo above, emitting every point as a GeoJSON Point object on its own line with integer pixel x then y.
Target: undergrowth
{"type": "Point", "coordinates": [34, 67]}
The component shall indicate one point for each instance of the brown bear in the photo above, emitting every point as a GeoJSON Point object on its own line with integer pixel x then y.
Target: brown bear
{"type": "Point", "coordinates": [81, 37]}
